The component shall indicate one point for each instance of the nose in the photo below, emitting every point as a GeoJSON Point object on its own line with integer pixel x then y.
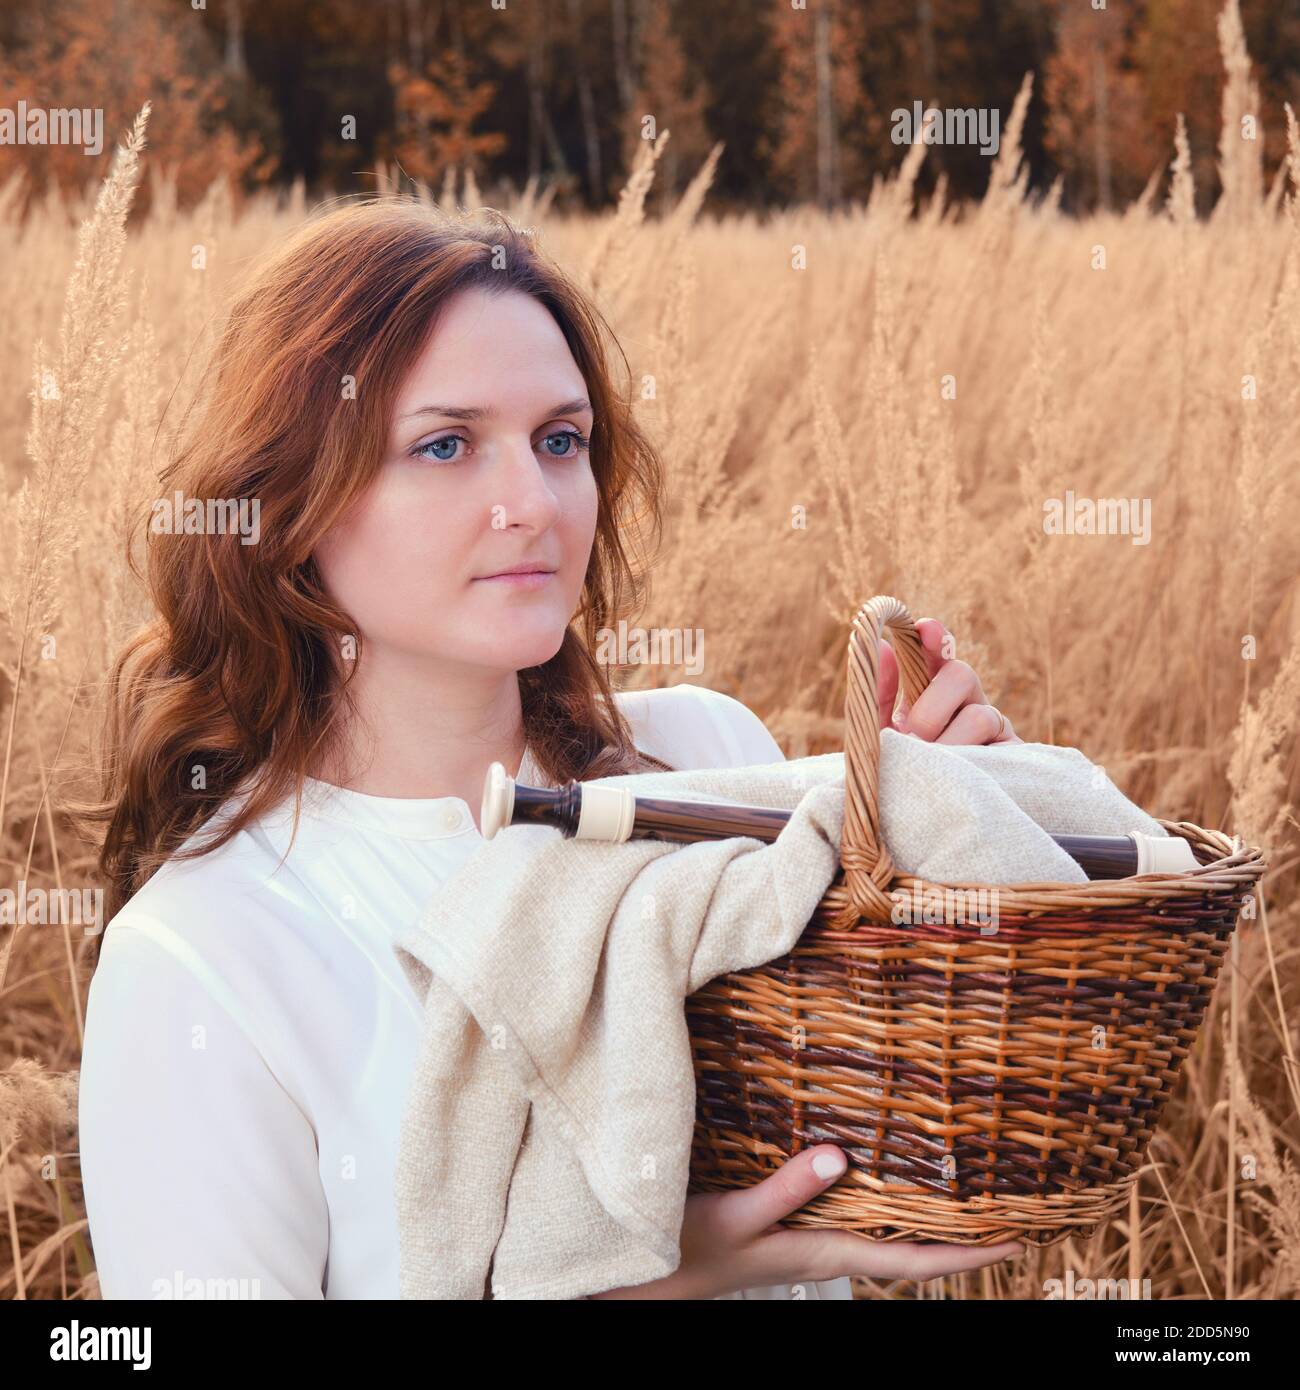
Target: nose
{"type": "Point", "coordinates": [524, 496]}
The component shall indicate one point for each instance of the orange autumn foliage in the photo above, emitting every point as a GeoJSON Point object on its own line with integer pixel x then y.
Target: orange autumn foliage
{"type": "Point", "coordinates": [87, 55]}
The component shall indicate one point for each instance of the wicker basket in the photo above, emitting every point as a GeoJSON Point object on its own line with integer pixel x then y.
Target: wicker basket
{"type": "Point", "coordinates": [984, 1087]}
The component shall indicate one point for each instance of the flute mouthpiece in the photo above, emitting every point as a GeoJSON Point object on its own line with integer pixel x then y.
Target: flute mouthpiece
{"type": "Point", "coordinates": [498, 800]}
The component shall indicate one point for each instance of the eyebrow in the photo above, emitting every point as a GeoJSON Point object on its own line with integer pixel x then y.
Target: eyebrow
{"type": "Point", "coordinates": [478, 412]}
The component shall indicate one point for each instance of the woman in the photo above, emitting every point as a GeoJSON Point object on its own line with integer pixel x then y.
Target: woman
{"type": "Point", "coordinates": [412, 407]}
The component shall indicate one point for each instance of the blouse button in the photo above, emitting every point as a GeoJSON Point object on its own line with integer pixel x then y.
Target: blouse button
{"type": "Point", "coordinates": [450, 819]}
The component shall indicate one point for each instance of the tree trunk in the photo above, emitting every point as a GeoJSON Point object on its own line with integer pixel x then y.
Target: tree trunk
{"type": "Point", "coordinates": [536, 109]}
{"type": "Point", "coordinates": [622, 69]}
{"type": "Point", "coordinates": [1101, 127]}
{"type": "Point", "coordinates": [236, 63]}
{"type": "Point", "coordinates": [415, 36]}
{"type": "Point", "coordinates": [925, 23]}
{"type": "Point", "coordinates": [826, 161]}
{"type": "Point", "coordinates": [553, 146]}
{"type": "Point", "coordinates": [587, 105]}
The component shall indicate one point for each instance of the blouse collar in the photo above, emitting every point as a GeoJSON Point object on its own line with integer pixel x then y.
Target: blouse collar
{"type": "Point", "coordinates": [412, 818]}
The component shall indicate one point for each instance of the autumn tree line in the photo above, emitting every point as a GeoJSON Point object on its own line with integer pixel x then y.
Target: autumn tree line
{"type": "Point", "coordinates": [801, 94]}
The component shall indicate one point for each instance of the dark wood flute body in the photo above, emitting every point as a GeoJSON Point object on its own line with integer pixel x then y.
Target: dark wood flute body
{"type": "Point", "coordinates": [1100, 856]}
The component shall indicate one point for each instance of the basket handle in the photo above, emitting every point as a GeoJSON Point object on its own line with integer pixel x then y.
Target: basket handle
{"type": "Point", "coordinates": [868, 868]}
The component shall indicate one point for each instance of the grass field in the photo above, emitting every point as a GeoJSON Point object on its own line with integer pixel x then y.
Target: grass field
{"type": "Point", "coordinates": [884, 400]}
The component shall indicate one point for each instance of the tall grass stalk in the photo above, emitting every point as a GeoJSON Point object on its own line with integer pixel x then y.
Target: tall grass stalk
{"type": "Point", "coordinates": [876, 401]}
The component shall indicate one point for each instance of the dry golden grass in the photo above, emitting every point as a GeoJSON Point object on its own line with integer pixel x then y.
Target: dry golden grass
{"type": "Point", "coordinates": [792, 370]}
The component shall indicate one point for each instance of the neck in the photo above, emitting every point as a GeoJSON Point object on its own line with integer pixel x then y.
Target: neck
{"type": "Point", "coordinates": [425, 729]}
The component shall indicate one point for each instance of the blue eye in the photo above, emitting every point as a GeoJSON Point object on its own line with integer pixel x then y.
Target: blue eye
{"type": "Point", "coordinates": [580, 442]}
{"type": "Point", "coordinates": [437, 444]}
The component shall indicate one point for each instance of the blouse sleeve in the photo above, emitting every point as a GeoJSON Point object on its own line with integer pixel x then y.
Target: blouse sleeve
{"type": "Point", "coordinates": [196, 1164]}
{"type": "Point", "coordinates": [740, 733]}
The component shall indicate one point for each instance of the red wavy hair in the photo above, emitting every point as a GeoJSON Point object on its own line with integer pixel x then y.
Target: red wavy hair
{"type": "Point", "coordinates": [241, 671]}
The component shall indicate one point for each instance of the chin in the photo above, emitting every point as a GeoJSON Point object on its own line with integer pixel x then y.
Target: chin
{"type": "Point", "coordinates": [525, 654]}
{"type": "Point", "coordinates": [518, 648]}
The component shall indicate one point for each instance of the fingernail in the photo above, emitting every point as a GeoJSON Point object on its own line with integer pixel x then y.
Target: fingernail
{"type": "Point", "coordinates": [829, 1163]}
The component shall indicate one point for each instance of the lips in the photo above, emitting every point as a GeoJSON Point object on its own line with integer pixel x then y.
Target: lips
{"type": "Point", "coordinates": [519, 569]}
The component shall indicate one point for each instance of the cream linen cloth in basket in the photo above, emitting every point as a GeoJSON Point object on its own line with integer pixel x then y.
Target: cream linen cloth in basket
{"type": "Point", "coordinates": [547, 1132]}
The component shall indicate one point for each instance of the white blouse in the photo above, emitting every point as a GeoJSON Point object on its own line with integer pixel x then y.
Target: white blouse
{"type": "Point", "coordinates": [250, 1036]}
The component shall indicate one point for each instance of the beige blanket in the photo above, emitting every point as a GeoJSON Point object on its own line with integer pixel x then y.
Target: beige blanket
{"type": "Point", "coordinates": [546, 1141]}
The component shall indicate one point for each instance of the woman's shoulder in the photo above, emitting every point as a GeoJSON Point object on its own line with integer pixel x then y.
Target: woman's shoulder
{"type": "Point", "coordinates": [227, 938]}
{"type": "Point", "coordinates": [198, 916]}
{"type": "Point", "coordinates": [693, 726]}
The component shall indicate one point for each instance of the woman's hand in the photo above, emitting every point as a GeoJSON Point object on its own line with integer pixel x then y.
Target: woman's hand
{"type": "Point", "coordinates": [951, 708]}
{"type": "Point", "coordinates": [730, 1241]}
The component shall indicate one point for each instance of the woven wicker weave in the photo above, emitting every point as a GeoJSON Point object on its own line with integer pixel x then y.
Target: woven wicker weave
{"type": "Point", "coordinates": [984, 1086]}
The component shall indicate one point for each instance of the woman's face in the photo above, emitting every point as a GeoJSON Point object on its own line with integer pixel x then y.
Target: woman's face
{"type": "Point", "coordinates": [486, 468]}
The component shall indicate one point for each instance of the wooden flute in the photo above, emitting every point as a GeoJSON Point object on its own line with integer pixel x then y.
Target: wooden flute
{"type": "Point", "coordinates": [585, 811]}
